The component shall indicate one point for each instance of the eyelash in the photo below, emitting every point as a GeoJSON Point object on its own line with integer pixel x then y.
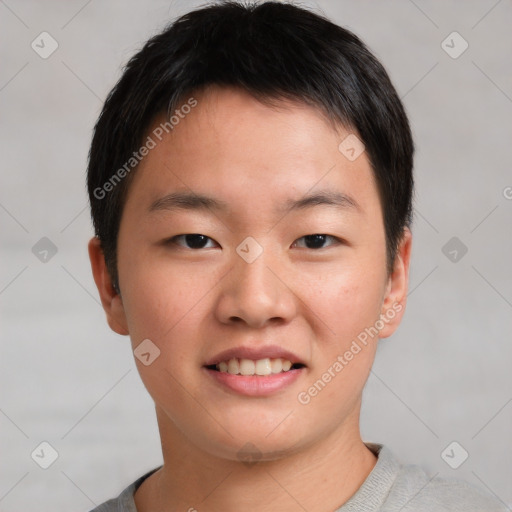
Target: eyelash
{"type": "Point", "coordinates": [174, 240]}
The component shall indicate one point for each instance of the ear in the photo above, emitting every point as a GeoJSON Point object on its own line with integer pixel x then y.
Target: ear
{"type": "Point", "coordinates": [111, 301]}
{"type": "Point", "coordinates": [395, 298]}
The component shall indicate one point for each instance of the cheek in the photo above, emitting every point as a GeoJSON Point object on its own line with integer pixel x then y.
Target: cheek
{"type": "Point", "coordinates": [161, 297]}
{"type": "Point", "coordinates": [347, 300]}
{"type": "Point", "coordinates": [349, 305]}
{"type": "Point", "coordinates": [162, 306]}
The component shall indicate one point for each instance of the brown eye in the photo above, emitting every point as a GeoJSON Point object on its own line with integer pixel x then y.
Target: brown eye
{"type": "Point", "coordinates": [192, 240]}
{"type": "Point", "coordinates": [316, 241]}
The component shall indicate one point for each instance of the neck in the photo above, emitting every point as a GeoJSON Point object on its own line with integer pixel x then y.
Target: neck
{"type": "Point", "coordinates": [333, 468]}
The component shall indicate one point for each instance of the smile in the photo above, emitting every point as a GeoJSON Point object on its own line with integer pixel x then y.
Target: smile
{"type": "Point", "coordinates": [260, 367]}
{"type": "Point", "coordinates": [256, 371]}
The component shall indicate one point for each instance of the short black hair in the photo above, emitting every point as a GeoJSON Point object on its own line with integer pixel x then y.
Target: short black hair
{"type": "Point", "coordinates": [273, 51]}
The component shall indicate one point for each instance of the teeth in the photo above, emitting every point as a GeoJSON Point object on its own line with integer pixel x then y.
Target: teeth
{"type": "Point", "coordinates": [286, 365]}
{"type": "Point", "coordinates": [233, 366]}
{"type": "Point", "coordinates": [249, 367]}
{"type": "Point", "coordinates": [263, 367]}
{"type": "Point", "coordinates": [276, 365]}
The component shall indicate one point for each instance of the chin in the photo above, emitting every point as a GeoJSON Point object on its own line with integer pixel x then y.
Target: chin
{"type": "Point", "coordinates": [253, 442]}
{"type": "Point", "coordinates": [257, 450]}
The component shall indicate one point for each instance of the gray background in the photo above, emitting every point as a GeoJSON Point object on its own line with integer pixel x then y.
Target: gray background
{"type": "Point", "coordinates": [65, 378]}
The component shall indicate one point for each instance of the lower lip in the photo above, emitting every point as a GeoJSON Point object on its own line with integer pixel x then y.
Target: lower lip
{"type": "Point", "coordinates": [256, 385]}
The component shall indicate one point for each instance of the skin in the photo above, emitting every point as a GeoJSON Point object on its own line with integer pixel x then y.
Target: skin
{"type": "Point", "coordinates": [195, 303]}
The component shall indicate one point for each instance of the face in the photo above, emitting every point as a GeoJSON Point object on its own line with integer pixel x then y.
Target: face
{"type": "Point", "coordinates": [250, 244]}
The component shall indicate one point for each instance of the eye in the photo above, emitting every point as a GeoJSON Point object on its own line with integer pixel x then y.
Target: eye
{"type": "Point", "coordinates": [192, 241]}
{"type": "Point", "coordinates": [316, 241]}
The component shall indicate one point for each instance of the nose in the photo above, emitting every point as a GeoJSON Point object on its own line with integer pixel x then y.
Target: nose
{"type": "Point", "coordinates": [255, 294]}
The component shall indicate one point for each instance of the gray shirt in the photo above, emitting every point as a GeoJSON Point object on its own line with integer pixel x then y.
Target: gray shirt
{"type": "Point", "coordinates": [390, 487]}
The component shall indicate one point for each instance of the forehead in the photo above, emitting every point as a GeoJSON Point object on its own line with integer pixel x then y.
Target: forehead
{"type": "Point", "coordinates": [246, 153]}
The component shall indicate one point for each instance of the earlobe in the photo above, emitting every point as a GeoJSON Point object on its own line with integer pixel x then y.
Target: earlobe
{"type": "Point", "coordinates": [393, 306]}
{"type": "Point", "coordinates": [110, 300]}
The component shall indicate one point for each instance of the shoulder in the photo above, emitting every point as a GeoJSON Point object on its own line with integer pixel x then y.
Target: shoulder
{"type": "Point", "coordinates": [125, 501]}
{"type": "Point", "coordinates": [415, 490]}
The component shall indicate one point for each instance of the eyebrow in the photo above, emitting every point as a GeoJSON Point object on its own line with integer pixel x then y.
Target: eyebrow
{"type": "Point", "coordinates": [192, 201]}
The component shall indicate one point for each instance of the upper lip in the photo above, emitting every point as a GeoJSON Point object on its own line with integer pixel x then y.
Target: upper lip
{"type": "Point", "coordinates": [268, 351]}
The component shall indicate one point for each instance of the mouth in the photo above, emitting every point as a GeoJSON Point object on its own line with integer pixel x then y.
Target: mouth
{"type": "Point", "coordinates": [260, 367]}
{"type": "Point", "coordinates": [256, 372]}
